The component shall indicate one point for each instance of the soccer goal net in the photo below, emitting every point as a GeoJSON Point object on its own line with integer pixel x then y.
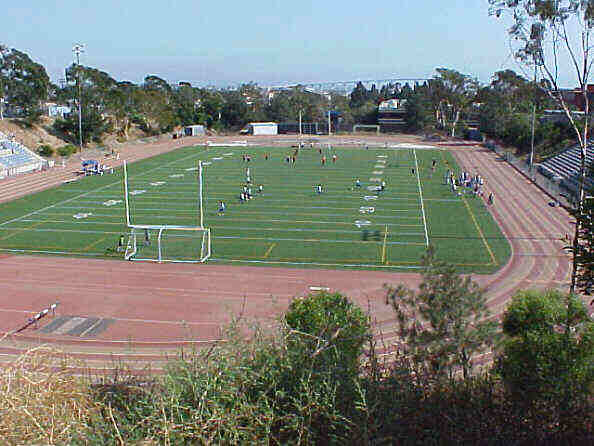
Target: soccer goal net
{"type": "Point", "coordinates": [366, 128]}
{"type": "Point", "coordinates": [165, 216]}
{"type": "Point", "coordinates": [168, 244]}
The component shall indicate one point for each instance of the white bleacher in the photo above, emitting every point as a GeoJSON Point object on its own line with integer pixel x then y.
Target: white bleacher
{"type": "Point", "coordinates": [15, 158]}
{"type": "Point", "coordinates": [567, 166]}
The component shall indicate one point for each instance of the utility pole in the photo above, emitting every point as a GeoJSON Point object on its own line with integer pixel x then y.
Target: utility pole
{"type": "Point", "coordinates": [533, 123]}
{"type": "Point", "coordinates": [300, 123]}
{"type": "Point", "coordinates": [329, 124]}
{"type": "Point", "coordinates": [77, 49]}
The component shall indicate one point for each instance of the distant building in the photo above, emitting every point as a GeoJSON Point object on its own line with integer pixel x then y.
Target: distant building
{"type": "Point", "coordinates": [575, 97]}
{"type": "Point", "coordinates": [194, 130]}
{"type": "Point", "coordinates": [57, 111]}
{"type": "Point", "coordinates": [261, 128]}
{"type": "Point", "coordinates": [391, 114]}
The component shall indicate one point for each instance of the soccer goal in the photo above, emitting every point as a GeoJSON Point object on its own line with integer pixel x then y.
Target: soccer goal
{"type": "Point", "coordinates": [368, 128]}
{"type": "Point", "coordinates": [166, 242]}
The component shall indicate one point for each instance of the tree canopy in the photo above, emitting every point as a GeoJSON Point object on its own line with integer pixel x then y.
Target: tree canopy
{"type": "Point", "coordinates": [446, 322]}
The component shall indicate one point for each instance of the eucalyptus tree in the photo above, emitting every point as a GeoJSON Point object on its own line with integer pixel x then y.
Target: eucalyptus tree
{"type": "Point", "coordinates": [544, 35]}
{"type": "Point", "coordinates": [458, 92]}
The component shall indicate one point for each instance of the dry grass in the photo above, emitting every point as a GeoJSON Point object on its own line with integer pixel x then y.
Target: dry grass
{"type": "Point", "coordinates": [40, 401]}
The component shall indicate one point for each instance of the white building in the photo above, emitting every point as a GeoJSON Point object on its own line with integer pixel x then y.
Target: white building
{"type": "Point", "coordinates": [55, 110]}
{"type": "Point", "coordinates": [194, 130]}
{"type": "Point", "coordinates": [261, 128]}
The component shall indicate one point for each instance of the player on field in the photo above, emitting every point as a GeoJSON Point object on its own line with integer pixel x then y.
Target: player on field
{"type": "Point", "coordinates": [358, 183]}
{"type": "Point", "coordinates": [147, 238]}
{"type": "Point", "coordinates": [319, 188]}
{"type": "Point", "coordinates": [121, 243]}
{"type": "Point", "coordinates": [334, 158]}
{"type": "Point", "coordinates": [221, 208]}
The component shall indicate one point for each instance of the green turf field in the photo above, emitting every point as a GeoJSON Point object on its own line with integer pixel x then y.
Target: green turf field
{"type": "Point", "coordinates": [289, 224]}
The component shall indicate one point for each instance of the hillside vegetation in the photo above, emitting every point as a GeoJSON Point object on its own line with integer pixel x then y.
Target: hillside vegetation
{"type": "Point", "coordinates": [319, 379]}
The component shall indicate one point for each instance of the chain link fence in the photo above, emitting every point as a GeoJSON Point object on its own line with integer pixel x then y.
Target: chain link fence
{"type": "Point", "coordinates": [555, 186]}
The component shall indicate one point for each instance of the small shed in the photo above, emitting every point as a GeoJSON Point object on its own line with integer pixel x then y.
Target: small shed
{"type": "Point", "coordinates": [194, 130]}
{"type": "Point", "coordinates": [261, 128]}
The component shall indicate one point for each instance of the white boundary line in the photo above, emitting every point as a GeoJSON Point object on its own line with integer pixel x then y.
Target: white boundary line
{"type": "Point", "coordinates": [87, 193]}
{"type": "Point", "coordinates": [346, 265]}
{"type": "Point", "coordinates": [421, 194]}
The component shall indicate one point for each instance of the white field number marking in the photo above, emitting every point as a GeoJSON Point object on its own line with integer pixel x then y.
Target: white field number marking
{"type": "Point", "coordinates": [82, 215]}
{"type": "Point", "coordinates": [366, 210]}
{"type": "Point", "coordinates": [158, 183]}
{"type": "Point", "coordinates": [378, 172]}
{"type": "Point", "coordinates": [369, 198]}
{"type": "Point", "coordinates": [138, 192]}
{"type": "Point", "coordinates": [177, 175]}
{"type": "Point", "coordinates": [206, 163]}
{"type": "Point", "coordinates": [382, 156]}
{"type": "Point", "coordinates": [228, 154]}
{"type": "Point", "coordinates": [192, 169]}
{"type": "Point", "coordinates": [218, 158]}
{"type": "Point", "coordinates": [373, 188]}
{"type": "Point", "coordinates": [359, 223]}
{"type": "Point", "coordinates": [375, 180]}
{"type": "Point", "coordinates": [111, 202]}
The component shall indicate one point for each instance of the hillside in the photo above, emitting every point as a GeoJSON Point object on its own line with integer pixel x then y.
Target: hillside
{"type": "Point", "coordinates": [42, 133]}
{"type": "Point", "coordinates": [34, 136]}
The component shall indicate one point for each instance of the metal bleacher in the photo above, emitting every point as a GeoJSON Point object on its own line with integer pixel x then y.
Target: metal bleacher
{"type": "Point", "coordinates": [15, 158]}
{"type": "Point", "coordinates": [565, 166]}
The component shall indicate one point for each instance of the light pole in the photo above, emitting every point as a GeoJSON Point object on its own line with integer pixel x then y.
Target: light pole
{"type": "Point", "coordinates": [533, 123]}
{"type": "Point", "coordinates": [77, 49]}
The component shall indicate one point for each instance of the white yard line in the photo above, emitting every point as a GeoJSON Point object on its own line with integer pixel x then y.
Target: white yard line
{"type": "Point", "coordinates": [252, 220]}
{"type": "Point", "coordinates": [235, 228]}
{"type": "Point", "coordinates": [88, 192]}
{"type": "Point", "coordinates": [421, 195]}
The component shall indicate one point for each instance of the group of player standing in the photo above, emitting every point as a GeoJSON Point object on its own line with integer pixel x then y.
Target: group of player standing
{"type": "Point", "coordinates": [466, 182]}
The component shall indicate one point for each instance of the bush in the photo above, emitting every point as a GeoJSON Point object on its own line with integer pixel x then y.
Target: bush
{"type": "Point", "coordinates": [330, 330]}
{"type": "Point", "coordinates": [45, 150]}
{"type": "Point", "coordinates": [240, 392]}
{"type": "Point", "coordinates": [67, 150]}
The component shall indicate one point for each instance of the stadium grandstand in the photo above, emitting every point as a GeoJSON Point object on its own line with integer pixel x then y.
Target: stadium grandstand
{"type": "Point", "coordinates": [391, 115]}
{"type": "Point", "coordinates": [565, 167]}
{"type": "Point", "coordinates": [15, 158]}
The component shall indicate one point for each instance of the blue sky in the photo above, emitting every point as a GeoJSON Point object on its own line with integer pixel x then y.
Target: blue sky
{"type": "Point", "coordinates": [266, 41]}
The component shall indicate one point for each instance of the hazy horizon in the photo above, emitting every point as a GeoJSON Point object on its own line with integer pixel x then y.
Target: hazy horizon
{"type": "Point", "coordinates": [265, 41]}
